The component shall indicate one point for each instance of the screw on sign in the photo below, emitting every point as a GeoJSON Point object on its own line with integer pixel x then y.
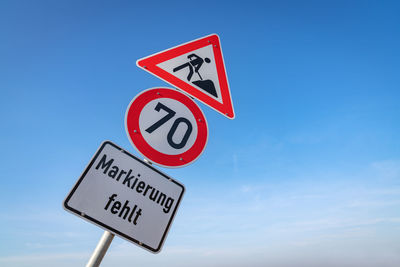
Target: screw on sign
{"type": "Point", "coordinates": [166, 127]}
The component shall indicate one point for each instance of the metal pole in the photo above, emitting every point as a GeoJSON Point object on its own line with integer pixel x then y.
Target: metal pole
{"type": "Point", "coordinates": [100, 250]}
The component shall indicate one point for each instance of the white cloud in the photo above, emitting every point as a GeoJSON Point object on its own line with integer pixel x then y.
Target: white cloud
{"type": "Point", "coordinates": [387, 169]}
{"type": "Point", "coordinates": [46, 259]}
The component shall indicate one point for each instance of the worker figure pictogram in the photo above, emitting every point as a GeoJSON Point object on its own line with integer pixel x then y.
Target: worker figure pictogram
{"type": "Point", "coordinates": [194, 64]}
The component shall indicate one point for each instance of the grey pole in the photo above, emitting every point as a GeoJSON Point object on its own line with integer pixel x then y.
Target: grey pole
{"type": "Point", "coordinates": [100, 250]}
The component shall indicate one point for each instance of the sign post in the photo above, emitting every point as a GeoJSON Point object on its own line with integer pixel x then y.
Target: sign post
{"type": "Point", "coordinates": [101, 249]}
{"type": "Point", "coordinates": [127, 196]}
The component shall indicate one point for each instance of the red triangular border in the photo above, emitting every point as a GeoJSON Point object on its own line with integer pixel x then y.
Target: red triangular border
{"type": "Point", "coordinates": [150, 63]}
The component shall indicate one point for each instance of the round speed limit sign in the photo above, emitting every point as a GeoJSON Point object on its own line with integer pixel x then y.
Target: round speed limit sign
{"type": "Point", "coordinates": [166, 127]}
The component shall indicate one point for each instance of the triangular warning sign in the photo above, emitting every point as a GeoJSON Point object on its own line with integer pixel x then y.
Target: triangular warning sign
{"type": "Point", "coordinates": [197, 68]}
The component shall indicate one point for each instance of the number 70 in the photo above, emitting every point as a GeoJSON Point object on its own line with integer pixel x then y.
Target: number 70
{"type": "Point", "coordinates": [170, 115]}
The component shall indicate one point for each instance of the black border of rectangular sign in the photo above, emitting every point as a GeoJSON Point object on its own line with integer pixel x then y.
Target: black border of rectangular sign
{"type": "Point", "coordinates": [106, 227]}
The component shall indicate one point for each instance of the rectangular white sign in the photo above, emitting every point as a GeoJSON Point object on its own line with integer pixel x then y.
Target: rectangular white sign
{"type": "Point", "coordinates": [126, 196]}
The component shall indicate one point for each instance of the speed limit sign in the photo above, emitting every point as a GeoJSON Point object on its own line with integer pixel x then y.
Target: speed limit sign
{"type": "Point", "coordinates": [166, 127]}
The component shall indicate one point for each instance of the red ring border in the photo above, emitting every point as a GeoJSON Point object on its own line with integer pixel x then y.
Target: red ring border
{"type": "Point", "coordinates": [136, 138]}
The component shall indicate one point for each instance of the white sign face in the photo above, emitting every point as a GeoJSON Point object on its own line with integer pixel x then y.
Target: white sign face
{"type": "Point", "coordinates": [126, 196]}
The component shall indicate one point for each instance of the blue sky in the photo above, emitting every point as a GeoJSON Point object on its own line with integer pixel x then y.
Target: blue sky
{"type": "Point", "coordinates": [308, 173]}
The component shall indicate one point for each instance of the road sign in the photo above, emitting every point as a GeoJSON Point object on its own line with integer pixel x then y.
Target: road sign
{"type": "Point", "coordinates": [166, 127]}
{"type": "Point", "coordinates": [126, 196]}
{"type": "Point", "coordinates": [196, 67]}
